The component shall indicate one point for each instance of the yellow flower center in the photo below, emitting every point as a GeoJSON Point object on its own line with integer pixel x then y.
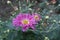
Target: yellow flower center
{"type": "Point", "coordinates": [25, 22]}
{"type": "Point", "coordinates": [36, 17]}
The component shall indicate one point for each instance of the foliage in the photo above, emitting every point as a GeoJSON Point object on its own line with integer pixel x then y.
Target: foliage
{"type": "Point", "coordinates": [48, 27]}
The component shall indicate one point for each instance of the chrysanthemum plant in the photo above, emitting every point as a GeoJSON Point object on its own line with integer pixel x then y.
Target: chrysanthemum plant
{"type": "Point", "coordinates": [31, 20]}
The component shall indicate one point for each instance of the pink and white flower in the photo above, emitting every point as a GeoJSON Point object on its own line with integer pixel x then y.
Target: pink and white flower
{"type": "Point", "coordinates": [25, 21]}
{"type": "Point", "coordinates": [36, 17]}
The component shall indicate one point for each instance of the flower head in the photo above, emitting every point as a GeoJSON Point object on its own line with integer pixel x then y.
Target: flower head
{"type": "Point", "coordinates": [36, 16]}
{"type": "Point", "coordinates": [25, 21]}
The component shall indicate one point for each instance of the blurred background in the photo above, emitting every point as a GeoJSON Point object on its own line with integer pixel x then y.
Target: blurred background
{"type": "Point", "coordinates": [48, 27]}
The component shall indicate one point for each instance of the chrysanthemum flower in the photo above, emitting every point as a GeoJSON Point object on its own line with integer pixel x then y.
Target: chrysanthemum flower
{"type": "Point", "coordinates": [25, 21]}
{"type": "Point", "coordinates": [36, 17]}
